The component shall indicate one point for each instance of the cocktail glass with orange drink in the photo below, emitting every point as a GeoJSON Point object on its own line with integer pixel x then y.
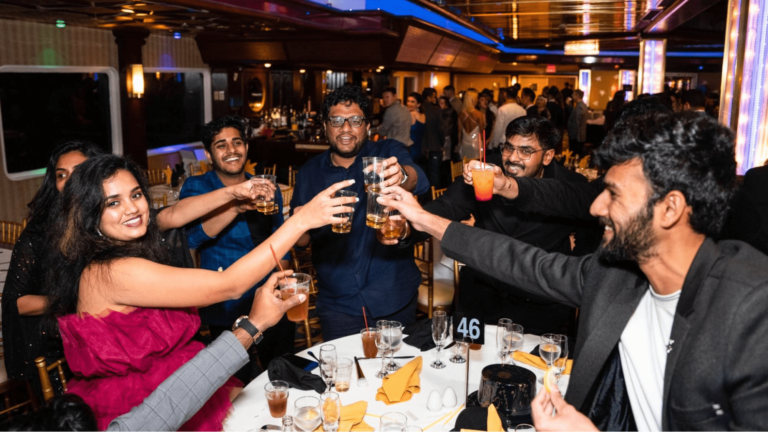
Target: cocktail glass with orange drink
{"type": "Point", "coordinates": [482, 179]}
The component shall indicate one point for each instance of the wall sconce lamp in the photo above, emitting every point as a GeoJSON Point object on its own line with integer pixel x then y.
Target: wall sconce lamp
{"type": "Point", "coordinates": [135, 80]}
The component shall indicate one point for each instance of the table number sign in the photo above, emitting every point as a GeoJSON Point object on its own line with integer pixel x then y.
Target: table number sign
{"type": "Point", "coordinates": [468, 325]}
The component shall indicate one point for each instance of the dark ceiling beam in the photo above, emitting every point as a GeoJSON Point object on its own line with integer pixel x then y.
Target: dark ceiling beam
{"type": "Point", "coordinates": [677, 14]}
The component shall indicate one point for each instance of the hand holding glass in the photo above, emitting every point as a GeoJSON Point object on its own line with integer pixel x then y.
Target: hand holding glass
{"type": "Point", "coordinates": [345, 227]}
{"type": "Point", "coordinates": [297, 283]}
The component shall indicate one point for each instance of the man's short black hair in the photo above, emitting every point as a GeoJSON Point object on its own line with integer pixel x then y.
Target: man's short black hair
{"type": "Point", "coordinates": [347, 95]}
{"type": "Point", "coordinates": [578, 92]}
{"type": "Point", "coordinates": [213, 128]}
{"type": "Point", "coordinates": [538, 127]}
{"type": "Point", "coordinates": [449, 87]}
{"type": "Point", "coordinates": [530, 94]}
{"type": "Point", "coordinates": [637, 107]}
{"type": "Point", "coordinates": [428, 92]}
{"type": "Point", "coordinates": [509, 93]}
{"type": "Point", "coordinates": [389, 90]}
{"type": "Point", "coordinates": [694, 98]}
{"type": "Point", "coordinates": [688, 152]}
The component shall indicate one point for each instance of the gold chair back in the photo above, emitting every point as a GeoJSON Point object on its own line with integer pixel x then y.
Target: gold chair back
{"type": "Point", "coordinates": [155, 176]}
{"type": "Point", "coordinates": [287, 196]}
{"type": "Point", "coordinates": [436, 193]}
{"type": "Point", "coordinates": [300, 265]}
{"type": "Point", "coordinates": [422, 254]}
{"type": "Point", "coordinates": [45, 379]}
{"type": "Point", "coordinates": [271, 170]}
{"type": "Point", "coordinates": [292, 176]}
{"type": "Point", "coordinates": [10, 232]}
{"type": "Point", "coordinates": [457, 170]}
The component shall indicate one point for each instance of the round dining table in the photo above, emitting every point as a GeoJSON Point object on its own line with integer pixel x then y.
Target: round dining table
{"type": "Point", "coordinates": [250, 410]}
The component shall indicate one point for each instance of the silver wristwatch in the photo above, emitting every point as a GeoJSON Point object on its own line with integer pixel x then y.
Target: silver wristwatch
{"type": "Point", "coordinates": [246, 325]}
{"type": "Point", "coordinates": [405, 175]}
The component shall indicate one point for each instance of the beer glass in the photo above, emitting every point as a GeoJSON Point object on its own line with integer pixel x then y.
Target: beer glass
{"type": "Point", "coordinates": [376, 214]}
{"type": "Point", "coordinates": [345, 227]}
{"type": "Point", "coordinates": [373, 168]}
{"type": "Point", "coordinates": [297, 283]}
{"type": "Point", "coordinates": [263, 203]}
{"type": "Point", "coordinates": [393, 227]}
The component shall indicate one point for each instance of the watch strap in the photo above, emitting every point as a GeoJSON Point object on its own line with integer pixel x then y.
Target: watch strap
{"type": "Point", "coordinates": [405, 175]}
{"type": "Point", "coordinates": [244, 323]}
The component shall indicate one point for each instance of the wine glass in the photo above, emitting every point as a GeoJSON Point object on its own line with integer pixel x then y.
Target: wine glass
{"type": "Point", "coordinates": [503, 337]}
{"type": "Point", "coordinates": [562, 361]}
{"type": "Point", "coordinates": [331, 411]}
{"type": "Point", "coordinates": [307, 413]}
{"type": "Point", "coordinates": [328, 364]}
{"type": "Point", "coordinates": [462, 348]}
{"type": "Point", "coordinates": [516, 342]}
{"type": "Point", "coordinates": [382, 344]}
{"type": "Point", "coordinates": [392, 422]}
{"type": "Point", "coordinates": [439, 335]}
{"type": "Point", "coordinates": [394, 334]}
{"type": "Point", "coordinates": [549, 350]}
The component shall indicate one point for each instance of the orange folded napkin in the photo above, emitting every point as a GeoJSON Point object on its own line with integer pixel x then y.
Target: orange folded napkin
{"type": "Point", "coordinates": [537, 362]}
{"type": "Point", "coordinates": [494, 421]}
{"type": "Point", "coordinates": [351, 419]}
{"type": "Point", "coordinates": [401, 385]}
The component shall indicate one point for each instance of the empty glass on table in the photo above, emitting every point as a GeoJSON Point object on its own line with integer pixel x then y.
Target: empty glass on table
{"type": "Point", "coordinates": [461, 350]}
{"type": "Point", "coordinates": [382, 344]}
{"type": "Point", "coordinates": [562, 361]}
{"type": "Point", "coordinates": [392, 422]}
{"type": "Point", "coordinates": [439, 335]}
{"type": "Point", "coordinates": [503, 338]}
{"type": "Point", "coordinates": [516, 342]}
{"type": "Point", "coordinates": [328, 364]}
{"type": "Point", "coordinates": [394, 336]}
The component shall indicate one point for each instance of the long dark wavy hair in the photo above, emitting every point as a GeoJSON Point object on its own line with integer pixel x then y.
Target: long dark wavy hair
{"type": "Point", "coordinates": [46, 197]}
{"type": "Point", "coordinates": [74, 232]}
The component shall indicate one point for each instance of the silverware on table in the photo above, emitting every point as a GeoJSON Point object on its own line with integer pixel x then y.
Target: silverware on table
{"type": "Point", "coordinates": [396, 358]}
{"type": "Point", "coordinates": [361, 381]}
{"type": "Point", "coordinates": [311, 354]}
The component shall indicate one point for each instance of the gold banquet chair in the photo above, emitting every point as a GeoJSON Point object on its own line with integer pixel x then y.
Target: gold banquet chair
{"type": "Point", "coordinates": [155, 177]}
{"type": "Point", "coordinates": [457, 170]}
{"type": "Point", "coordinates": [434, 294]}
{"type": "Point", "coordinates": [292, 176]}
{"type": "Point", "coordinates": [271, 170]}
{"type": "Point", "coordinates": [436, 193]}
{"type": "Point", "coordinates": [45, 379]}
{"type": "Point", "coordinates": [10, 232]}
{"type": "Point", "coordinates": [311, 322]}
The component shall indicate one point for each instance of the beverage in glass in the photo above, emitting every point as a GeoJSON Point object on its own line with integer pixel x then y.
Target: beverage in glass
{"type": "Point", "coordinates": [331, 411]}
{"type": "Point", "coordinates": [343, 374]}
{"type": "Point", "coordinates": [264, 204]}
{"type": "Point", "coordinates": [549, 350]}
{"type": "Point", "coordinates": [393, 336]}
{"type": "Point", "coordinates": [482, 179]}
{"type": "Point", "coordinates": [297, 283]}
{"type": "Point", "coordinates": [562, 361]}
{"type": "Point", "coordinates": [372, 173]}
{"type": "Point", "coordinates": [277, 397]}
{"type": "Point", "coordinates": [368, 336]}
{"type": "Point", "coordinates": [345, 227]}
{"type": "Point", "coordinates": [515, 339]}
{"type": "Point", "coordinates": [503, 333]}
{"type": "Point", "coordinates": [376, 214]}
{"type": "Point", "coordinates": [382, 344]}
{"type": "Point", "coordinates": [393, 227]}
{"type": "Point", "coordinates": [307, 413]}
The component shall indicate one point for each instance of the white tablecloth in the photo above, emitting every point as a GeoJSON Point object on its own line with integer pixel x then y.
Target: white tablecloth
{"type": "Point", "coordinates": [250, 410]}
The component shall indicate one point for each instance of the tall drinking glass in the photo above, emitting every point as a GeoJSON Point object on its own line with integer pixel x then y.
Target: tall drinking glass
{"type": "Point", "coordinates": [503, 330]}
{"type": "Point", "coordinates": [516, 339]}
{"type": "Point", "coordinates": [482, 180]}
{"type": "Point", "coordinates": [368, 336]}
{"type": "Point", "coordinates": [376, 214]}
{"type": "Point", "coordinates": [549, 350]}
{"type": "Point", "coordinates": [307, 413]}
{"type": "Point", "coordinates": [392, 422]}
{"type": "Point", "coordinates": [395, 335]}
{"type": "Point", "coordinates": [439, 335]}
{"type": "Point", "coordinates": [562, 361]}
{"type": "Point", "coordinates": [331, 411]}
{"type": "Point", "coordinates": [372, 173]}
{"type": "Point", "coordinates": [328, 364]}
{"type": "Point", "coordinates": [382, 344]}
{"type": "Point", "coordinates": [346, 227]}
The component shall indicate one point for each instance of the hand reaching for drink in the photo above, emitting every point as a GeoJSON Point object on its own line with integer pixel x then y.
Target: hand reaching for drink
{"type": "Point", "coordinates": [321, 210]}
{"type": "Point", "coordinates": [268, 306]}
{"type": "Point", "coordinates": [499, 179]}
{"type": "Point", "coordinates": [566, 417]}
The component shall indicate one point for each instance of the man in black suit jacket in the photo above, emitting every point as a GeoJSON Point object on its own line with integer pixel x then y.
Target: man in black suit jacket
{"type": "Point", "coordinates": [685, 365]}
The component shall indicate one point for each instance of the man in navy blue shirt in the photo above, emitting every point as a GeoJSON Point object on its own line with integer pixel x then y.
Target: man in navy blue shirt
{"type": "Point", "coordinates": [354, 270]}
{"type": "Point", "coordinates": [227, 234]}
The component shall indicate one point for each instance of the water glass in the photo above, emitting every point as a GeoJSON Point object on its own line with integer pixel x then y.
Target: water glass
{"type": "Point", "coordinates": [503, 338]}
{"type": "Point", "coordinates": [328, 364]}
{"type": "Point", "coordinates": [343, 374]}
{"type": "Point", "coordinates": [392, 422]}
{"type": "Point", "coordinates": [368, 337]}
{"type": "Point", "coordinates": [331, 411]}
{"type": "Point", "coordinates": [549, 350]}
{"type": "Point", "coordinates": [394, 334]}
{"type": "Point", "coordinates": [516, 344]}
{"type": "Point", "coordinates": [562, 361]}
{"type": "Point", "coordinates": [382, 344]}
{"type": "Point", "coordinates": [307, 413]}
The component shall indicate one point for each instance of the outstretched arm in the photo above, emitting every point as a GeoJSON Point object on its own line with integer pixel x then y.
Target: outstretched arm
{"type": "Point", "coordinates": [133, 281]}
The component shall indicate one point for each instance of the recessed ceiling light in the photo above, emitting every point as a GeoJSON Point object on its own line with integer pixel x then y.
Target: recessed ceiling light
{"type": "Point", "coordinates": [303, 71]}
{"type": "Point", "coordinates": [267, 65]}
{"type": "Point", "coordinates": [127, 11]}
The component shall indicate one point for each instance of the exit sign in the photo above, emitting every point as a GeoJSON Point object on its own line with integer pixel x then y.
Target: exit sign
{"type": "Point", "coordinates": [551, 69]}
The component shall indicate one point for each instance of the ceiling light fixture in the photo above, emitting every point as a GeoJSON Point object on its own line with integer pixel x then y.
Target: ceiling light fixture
{"type": "Point", "coordinates": [585, 47]}
{"type": "Point", "coordinates": [128, 11]}
{"type": "Point", "coordinates": [302, 71]}
{"type": "Point", "coordinates": [267, 65]}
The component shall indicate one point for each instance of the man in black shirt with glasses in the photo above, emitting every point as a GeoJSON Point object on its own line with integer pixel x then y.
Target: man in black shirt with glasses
{"type": "Point", "coordinates": [527, 152]}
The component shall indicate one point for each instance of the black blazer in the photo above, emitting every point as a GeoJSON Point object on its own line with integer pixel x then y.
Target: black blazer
{"type": "Point", "coordinates": [716, 376]}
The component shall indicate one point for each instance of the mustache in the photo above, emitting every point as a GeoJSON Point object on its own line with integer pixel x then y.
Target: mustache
{"type": "Point", "coordinates": [230, 155]}
{"type": "Point", "coordinates": [514, 164]}
{"type": "Point", "coordinates": [606, 222]}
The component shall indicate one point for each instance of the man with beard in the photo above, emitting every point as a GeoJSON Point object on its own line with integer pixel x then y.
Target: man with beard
{"type": "Point", "coordinates": [232, 231]}
{"type": "Point", "coordinates": [668, 315]}
{"type": "Point", "coordinates": [527, 152]}
{"type": "Point", "coordinates": [354, 271]}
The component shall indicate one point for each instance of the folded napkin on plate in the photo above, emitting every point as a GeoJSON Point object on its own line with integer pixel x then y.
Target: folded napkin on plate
{"type": "Point", "coordinates": [420, 334]}
{"type": "Point", "coordinates": [352, 419]}
{"type": "Point", "coordinates": [401, 385]}
{"type": "Point", "coordinates": [471, 417]}
{"type": "Point", "coordinates": [281, 369]}
{"type": "Point", "coordinates": [537, 362]}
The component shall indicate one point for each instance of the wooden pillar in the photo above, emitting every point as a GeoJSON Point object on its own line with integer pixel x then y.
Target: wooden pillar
{"type": "Point", "coordinates": [134, 111]}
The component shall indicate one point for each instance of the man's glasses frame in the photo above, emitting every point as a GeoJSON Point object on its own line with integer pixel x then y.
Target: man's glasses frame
{"type": "Point", "coordinates": [354, 121]}
{"type": "Point", "coordinates": [524, 153]}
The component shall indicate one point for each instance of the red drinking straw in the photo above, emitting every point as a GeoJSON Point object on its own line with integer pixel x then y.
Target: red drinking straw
{"type": "Point", "coordinates": [280, 266]}
{"type": "Point", "coordinates": [483, 149]}
{"type": "Point", "coordinates": [365, 318]}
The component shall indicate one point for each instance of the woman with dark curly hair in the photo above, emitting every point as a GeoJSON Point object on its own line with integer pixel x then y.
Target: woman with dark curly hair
{"type": "Point", "coordinates": [126, 317]}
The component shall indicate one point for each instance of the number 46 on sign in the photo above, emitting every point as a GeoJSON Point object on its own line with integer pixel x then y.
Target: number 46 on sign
{"type": "Point", "coordinates": [466, 325]}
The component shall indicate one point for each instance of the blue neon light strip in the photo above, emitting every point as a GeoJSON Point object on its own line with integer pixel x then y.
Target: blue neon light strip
{"type": "Point", "coordinates": [404, 8]}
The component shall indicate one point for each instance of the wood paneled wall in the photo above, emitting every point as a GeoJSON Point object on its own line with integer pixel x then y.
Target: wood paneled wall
{"type": "Point", "coordinates": [28, 43]}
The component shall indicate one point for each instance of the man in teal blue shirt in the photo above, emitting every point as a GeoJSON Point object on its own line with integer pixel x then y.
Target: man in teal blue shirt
{"type": "Point", "coordinates": [225, 235]}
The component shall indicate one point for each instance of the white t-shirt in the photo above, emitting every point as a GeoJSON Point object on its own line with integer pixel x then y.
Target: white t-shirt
{"type": "Point", "coordinates": [643, 350]}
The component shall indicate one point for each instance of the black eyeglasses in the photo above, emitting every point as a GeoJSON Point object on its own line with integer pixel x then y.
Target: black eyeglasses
{"type": "Point", "coordinates": [354, 121]}
{"type": "Point", "coordinates": [524, 153]}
